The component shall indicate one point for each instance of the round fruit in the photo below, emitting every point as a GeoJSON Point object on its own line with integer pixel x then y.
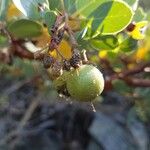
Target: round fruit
{"type": "Point", "coordinates": [85, 83]}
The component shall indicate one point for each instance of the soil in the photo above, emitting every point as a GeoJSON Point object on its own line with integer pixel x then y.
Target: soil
{"type": "Point", "coordinates": [29, 121]}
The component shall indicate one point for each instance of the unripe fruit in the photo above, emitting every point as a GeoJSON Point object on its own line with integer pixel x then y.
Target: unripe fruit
{"type": "Point", "coordinates": [85, 83]}
{"type": "Point", "coordinates": [60, 82]}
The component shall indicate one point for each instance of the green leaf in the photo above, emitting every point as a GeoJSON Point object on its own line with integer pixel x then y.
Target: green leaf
{"type": "Point", "coordinates": [121, 87]}
{"type": "Point", "coordinates": [139, 15]}
{"type": "Point", "coordinates": [86, 7]}
{"type": "Point", "coordinates": [25, 28]}
{"type": "Point", "coordinates": [70, 6]}
{"type": "Point", "coordinates": [148, 16]}
{"type": "Point", "coordinates": [144, 93]}
{"type": "Point", "coordinates": [106, 16]}
{"type": "Point", "coordinates": [50, 18]}
{"type": "Point", "coordinates": [3, 9]}
{"type": "Point", "coordinates": [128, 45]}
{"type": "Point", "coordinates": [112, 55]}
{"type": "Point", "coordinates": [54, 4]}
{"type": "Point", "coordinates": [131, 2]}
{"type": "Point", "coordinates": [3, 40]}
{"type": "Point", "coordinates": [26, 66]}
{"type": "Point", "coordinates": [30, 8]}
{"type": "Point", "coordinates": [107, 42]}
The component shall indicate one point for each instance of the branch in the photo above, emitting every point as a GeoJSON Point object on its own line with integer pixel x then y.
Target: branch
{"type": "Point", "coordinates": [139, 68]}
{"type": "Point", "coordinates": [70, 33]}
{"type": "Point", "coordinates": [137, 82]}
{"type": "Point", "coordinates": [22, 52]}
{"type": "Point", "coordinates": [125, 75]}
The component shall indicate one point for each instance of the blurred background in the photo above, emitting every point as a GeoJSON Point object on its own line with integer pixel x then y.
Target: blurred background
{"type": "Point", "coordinates": [33, 116]}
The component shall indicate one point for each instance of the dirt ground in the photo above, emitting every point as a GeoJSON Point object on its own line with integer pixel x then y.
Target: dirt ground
{"type": "Point", "coordinates": [31, 121]}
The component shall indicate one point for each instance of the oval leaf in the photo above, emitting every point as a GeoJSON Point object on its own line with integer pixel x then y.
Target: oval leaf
{"type": "Point", "coordinates": [128, 45]}
{"type": "Point", "coordinates": [32, 8]}
{"type": "Point", "coordinates": [25, 28]}
{"type": "Point", "coordinates": [50, 18]}
{"type": "Point", "coordinates": [107, 42]}
{"type": "Point", "coordinates": [54, 4]}
{"type": "Point", "coordinates": [106, 16]}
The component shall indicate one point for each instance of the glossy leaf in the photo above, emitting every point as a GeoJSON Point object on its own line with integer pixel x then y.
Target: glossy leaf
{"type": "Point", "coordinates": [50, 18]}
{"type": "Point", "coordinates": [133, 3]}
{"type": "Point", "coordinates": [86, 7]}
{"type": "Point", "coordinates": [25, 28]}
{"type": "Point", "coordinates": [31, 8]}
{"type": "Point", "coordinates": [106, 16]}
{"type": "Point", "coordinates": [128, 45]}
{"type": "Point", "coordinates": [69, 5]}
{"type": "Point", "coordinates": [107, 42]}
{"type": "Point", "coordinates": [54, 4]}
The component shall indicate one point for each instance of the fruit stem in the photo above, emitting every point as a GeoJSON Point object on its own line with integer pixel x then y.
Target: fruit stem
{"type": "Point", "coordinates": [85, 60]}
{"type": "Point", "coordinates": [93, 107]}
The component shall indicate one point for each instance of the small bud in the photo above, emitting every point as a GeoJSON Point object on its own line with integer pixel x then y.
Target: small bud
{"type": "Point", "coordinates": [66, 65]}
{"type": "Point", "coordinates": [75, 61]}
{"type": "Point", "coordinates": [48, 61]}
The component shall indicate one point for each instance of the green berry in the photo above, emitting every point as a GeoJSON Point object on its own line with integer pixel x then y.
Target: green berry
{"type": "Point", "coordinates": [85, 83]}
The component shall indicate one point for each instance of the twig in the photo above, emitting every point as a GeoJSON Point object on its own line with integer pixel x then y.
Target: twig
{"type": "Point", "coordinates": [67, 27]}
{"type": "Point", "coordinates": [135, 70]}
{"type": "Point", "coordinates": [137, 82]}
{"type": "Point", "coordinates": [22, 52]}
{"type": "Point", "coordinates": [126, 75]}
{"type": "Point", "coordinates": [70, 33]}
